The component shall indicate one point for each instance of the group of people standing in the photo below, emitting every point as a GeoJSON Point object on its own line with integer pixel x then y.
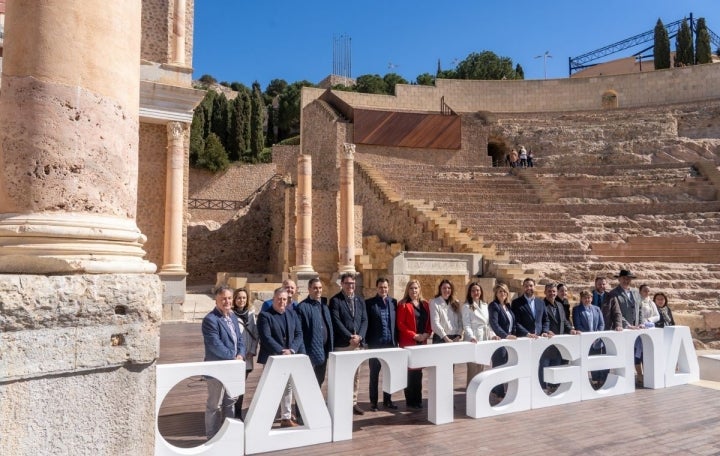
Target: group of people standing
{"type": "Point", "coordinates": [520, 158]}
{"type": "Point", "coordinates": [317, 326]}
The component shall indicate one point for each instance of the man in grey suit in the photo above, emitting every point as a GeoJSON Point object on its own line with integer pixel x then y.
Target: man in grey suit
{"type": "Point", "coordinates": [622, 304]}
{"type": "Point", "coordinates": [223, 341]}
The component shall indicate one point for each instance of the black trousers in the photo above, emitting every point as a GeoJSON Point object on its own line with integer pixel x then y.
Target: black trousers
{"type": "Point", "coordinates": [320, 370]}
{"type": "Point", "coordinates": [413, 392]}
{"type": "Point", "coordinates": [375, 368]}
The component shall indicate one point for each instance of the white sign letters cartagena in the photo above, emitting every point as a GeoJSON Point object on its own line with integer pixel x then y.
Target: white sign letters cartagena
{"type": "Point", "coordinates": [669, 360]}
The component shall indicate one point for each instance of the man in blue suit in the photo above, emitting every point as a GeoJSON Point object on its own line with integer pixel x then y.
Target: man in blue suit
{"type": "Point", "coordinates": [531, 319]}
{"type": "Point", "coordinates": [223, 341]}
{"type": "Point", "coordinates": [280, 334]}
{"type": "Point", "coordinates": [317, 328]}
{"type": "Point", "coordinates": [381, 333]}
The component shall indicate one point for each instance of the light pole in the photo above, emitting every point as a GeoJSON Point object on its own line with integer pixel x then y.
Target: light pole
{"type": "Point", "coordinates": [545, 56]}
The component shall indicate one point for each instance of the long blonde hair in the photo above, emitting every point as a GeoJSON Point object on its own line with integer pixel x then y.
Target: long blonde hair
{"type": "Point", "coordinates": [406, 297]}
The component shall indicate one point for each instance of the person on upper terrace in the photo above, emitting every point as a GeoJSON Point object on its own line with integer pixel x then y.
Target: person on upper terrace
{"type": "Point", "coordinates": [523, 157]}
{"type": "Point", "coordinates": [530, 157]}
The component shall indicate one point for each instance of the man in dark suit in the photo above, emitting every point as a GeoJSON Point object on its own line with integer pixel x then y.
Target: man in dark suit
{"type": "Point", "coordinates": [223, 341]}
{"type": "Point", "coordinates": [559, 324]}
{"type": "Point", "coordinates": [622, 304]}
{"type": "Point", "coordinates": [381, 333]}
{"type": "Point", "coordinates": [349, 318]}
{"type": "Point", "coordinates": [317, 328]}
{"type": "Point", "coordinates": [280, 334]}
{"type": "Point", "coordinates": [532, 320]}
{"type": "Point", "coordinates": [598, 294]}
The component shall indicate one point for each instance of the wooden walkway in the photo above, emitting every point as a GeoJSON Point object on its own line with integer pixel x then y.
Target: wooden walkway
{"type": "Point", "coordinates": [678, 420]}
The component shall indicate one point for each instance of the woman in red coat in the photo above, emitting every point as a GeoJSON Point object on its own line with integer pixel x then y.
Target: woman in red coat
{"type": "Point", "coordinates": [413, 324]}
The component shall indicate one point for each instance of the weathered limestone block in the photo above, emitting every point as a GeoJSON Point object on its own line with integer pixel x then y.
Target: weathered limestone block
{"type": "Point", "coordinates": [77, 363]}
{"type": "Point", "coordinates": [58, 324]}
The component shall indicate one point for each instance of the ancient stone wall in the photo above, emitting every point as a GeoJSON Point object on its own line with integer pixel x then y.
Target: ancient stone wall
{"type": "Point", "coordinates": [152, 175]}
{"type": "Point", "coordinates": [236, 183]}
{"type": "Point", "coordinates": [157, 27]}
{"type": "Point", "coordinates": [285, 160]}
{"type": "Point", "coordinates": [250, 242]}
{"type": "Point", "coordinates": [675, 85]}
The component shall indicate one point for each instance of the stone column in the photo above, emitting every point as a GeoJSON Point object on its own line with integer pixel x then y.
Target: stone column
{"type": "Point", "coordinates": [179, 33]}
{"type": "Point", "coordinates": [173, 273]}
{"type": "Point", "coordinates": [303, 269]}
{"type": "Point", "coordinates": [173, 252]}
{"type": "Point", "coordinates": [69, 138]}
{"type": "Point", "coordinates": [347, 210]}
{"type": "Point", "coordinates": [79, 336]}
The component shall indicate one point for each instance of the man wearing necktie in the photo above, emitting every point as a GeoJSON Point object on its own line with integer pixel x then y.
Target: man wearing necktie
{"type": "Point", "coordinates": [381, 333]}
{"type": "Point", "coordinates": [223, 341]}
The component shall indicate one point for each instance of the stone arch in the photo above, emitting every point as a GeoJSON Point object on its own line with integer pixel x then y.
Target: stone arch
{"type": "Point", "coordinates": [609, 99]}
{"type": "Point", "coordinates": [497, 149]}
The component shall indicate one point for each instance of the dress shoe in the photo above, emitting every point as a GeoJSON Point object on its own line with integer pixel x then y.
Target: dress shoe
{"type": "Point", "coordinates": [390, 405]}
{"type": "Point", "coordinates": [288, 423]}
{"type": "Point", "coordinates": [357, 410]}
{"type": "Point", "coordinates": [373, 407]}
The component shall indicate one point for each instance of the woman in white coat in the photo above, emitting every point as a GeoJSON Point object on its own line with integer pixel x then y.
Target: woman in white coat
{"type": "Point", "coordinates": [476, 323]}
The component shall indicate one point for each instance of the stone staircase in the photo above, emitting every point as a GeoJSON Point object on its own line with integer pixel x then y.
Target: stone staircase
{"type": "Point", "coordinates": [441, 227]}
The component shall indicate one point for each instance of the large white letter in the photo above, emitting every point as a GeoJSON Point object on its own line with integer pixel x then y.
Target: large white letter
{"type": "Point", "coordinates": [613, 359]}
{"type": "Point", "coordinates": [231, 435]}
{"type": "Point", "coordinates": [682, 364]}
{"type": "Point", "coordinates": [341, 372]}
{"type": "Point", "coordinates": [440, 360]}
{"type": "Point", "coordinates": [567, 375]}
{"type": "Point", "coordinates": [654, 357]}
{"type": "Point", "coordinates": [317, 428]}
{"type": "Point", "coordinates": [517, 373]}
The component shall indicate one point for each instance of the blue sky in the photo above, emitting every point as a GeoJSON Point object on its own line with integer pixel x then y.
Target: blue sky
{"type": "Point", "coordinates": [261, 40]}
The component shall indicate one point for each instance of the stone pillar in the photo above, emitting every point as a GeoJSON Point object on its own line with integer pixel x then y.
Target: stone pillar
{"type": "Point", "coordinates": [79, 337]}
{"type": "Point", "coordinates": [173, 272]}
{"type": "Point", "coordinates": [178, 57]}
{"type": "Point", "coordinates": [303, 269]}
{"type": "Point", "coordinates": [347, 210]}
{"type": "Point", "coordinates": [69, 138]}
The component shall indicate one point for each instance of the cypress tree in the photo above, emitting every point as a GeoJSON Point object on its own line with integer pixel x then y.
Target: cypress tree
{"type": "Point", "coordinates": [219, 121]}
{"type": "Point", "coordinates": [214, 156]}
{"type": "Point", "coordinates": [197, 135]}
{"type": "Point", "coordinates": [684, 54]}
{"type": "Point", "coordinates": [703, 51]}
{"type": "Point", "coordinates": [257, 139]}
{"type": "Point", "coordinates": [247, 115]}
{"type": "Point", "coordinates": [519, 72]}
{"type": "Point", "coordinates": [662, 47]}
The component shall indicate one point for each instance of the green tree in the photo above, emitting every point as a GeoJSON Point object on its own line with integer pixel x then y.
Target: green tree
{"type": "Point", "coordinates": [214, 157]}
{"type": "Point", "coordinates": [485, 65]}
{"type": "Point", "coordinates": [519, 72]}
{"type": "Point", "coordinates": [275, 88]}
{"type": "Point", "coordinates": [391, 80]}
{"type": "Point", "coordinates": [661, 45]}
{"type": "Point", "coordinates": [257, 122]}
{"type": "Point", "coordinates": [371, 83]}
{"type": "Point", "coordinates": [425, 79]}
{"type": "Point", "coordinates": [684, 54]}
{"type": "Point", "coordinates": [237, 145]}
{"type": "Point", "coordinates": [197, 135]}
{"type": "Point", "coordinates": [219, 119]}
{"type": "Point", "coordinates": [288, 115]}
{"type": "Point", "coordinates": [703, 51]}
{"type": "Point", "coordinates": [207, 79]}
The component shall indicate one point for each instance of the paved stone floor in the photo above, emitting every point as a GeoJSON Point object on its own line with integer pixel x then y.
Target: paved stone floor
{"type": "Point", "coordinates": [680, 420]}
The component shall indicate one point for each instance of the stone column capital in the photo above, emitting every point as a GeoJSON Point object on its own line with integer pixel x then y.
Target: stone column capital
{"type": "Point", "coordinates": [348, 151]}
{"type": "Point", "coordinates": [175, 130]}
